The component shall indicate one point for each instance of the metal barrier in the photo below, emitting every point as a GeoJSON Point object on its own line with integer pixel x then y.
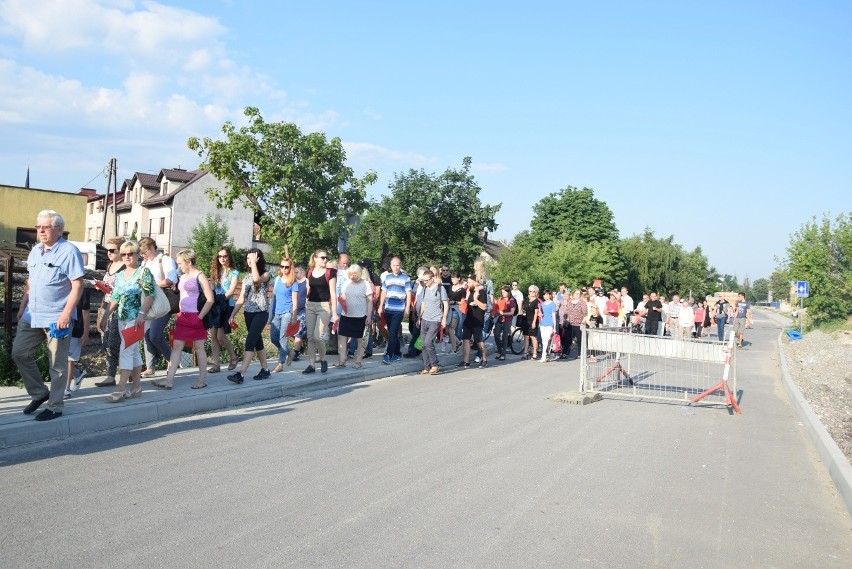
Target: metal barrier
{"type": "Point", "coordinates": [617, 363]}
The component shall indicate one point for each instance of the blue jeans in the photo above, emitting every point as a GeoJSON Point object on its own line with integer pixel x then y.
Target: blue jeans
{"type": "Point", "coordinates": [155, 343]}
{"type": "Point", "coordinates": [720, 328]}
{"type": "Point", "coordinates": [278, 334]}
{"type": "Point", "coordinates": [394, 322]}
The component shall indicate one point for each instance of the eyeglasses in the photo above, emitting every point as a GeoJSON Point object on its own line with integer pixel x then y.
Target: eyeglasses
{"type": "Point", "coordinates": [222, 256]}
{"type": "Point", "coordinates": [284, 266]}
{"type": "Point", "coordinates": [126, 254]}
{"type": "Point", "coordinates": [45, 227]}
{"type": "Point", "coordinates": [111, 250]}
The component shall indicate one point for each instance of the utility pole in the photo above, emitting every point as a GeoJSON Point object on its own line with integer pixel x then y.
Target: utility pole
{"type": "Point", "coordinates": [111, 185]}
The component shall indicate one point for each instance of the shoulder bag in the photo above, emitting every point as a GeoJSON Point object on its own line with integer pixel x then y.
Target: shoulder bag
{"type": "Point", "coordinates": [160, 306]}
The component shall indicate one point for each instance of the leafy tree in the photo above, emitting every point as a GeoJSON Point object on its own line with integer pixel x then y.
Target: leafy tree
{"type": "Point", "coordinates": [574, 263]}
{"type": "Point", "coordinates": [572, 214]}
{"type": "Point", "coordinates": [427, 218]}
{"type": "Point", "coordinates": [206, 238]}
{"type": "Point", "coordinates": [663, 266]}
{"type": "Point", "coordinates": [298, 184]}
{"type": "Point", "coordinates": [759, 291]}
{"type": "Point", "coordinates": [728, 283]}
{"type": "Point", "coordinates": [821, 253]}
{"type": "Point", "coordinates": [779, 285]}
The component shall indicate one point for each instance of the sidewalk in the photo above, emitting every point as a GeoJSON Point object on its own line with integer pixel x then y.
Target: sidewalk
{"type": "Point", "coordinates": [87, 411]}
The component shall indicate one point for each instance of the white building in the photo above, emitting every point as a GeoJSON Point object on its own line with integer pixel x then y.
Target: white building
{"type": "Point", "coordinates": [166, 207]}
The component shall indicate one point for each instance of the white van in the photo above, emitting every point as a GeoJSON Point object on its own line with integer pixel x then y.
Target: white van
{"type": "Point", "coordinates": [89, 252]}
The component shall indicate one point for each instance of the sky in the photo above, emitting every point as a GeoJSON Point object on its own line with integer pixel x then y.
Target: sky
{"type": "Point", "coordinates": [725, 125]}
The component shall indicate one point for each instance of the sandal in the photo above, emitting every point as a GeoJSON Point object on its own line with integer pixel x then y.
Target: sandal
{"type": "Point", "coordinates": [357, 365]}
{"type": "Point", "coordinates": [134, 393]}
{"type": "Point", "coordinates": [117, 396]}
{"type": "Point", "coordinates": [198, 386]}
{"type": "Point", "coordinates": [340, 364]}
{"type": "Point", "coordinates": [147, 373]}
{"type": "Point", "coordinates": [214, 369]}
{"type": "Point", "coordinates": [279, 368]}
{"type": "Point", "coordinates": [232, 365]}
{"type": "Point", "coordinates": [160, 385]}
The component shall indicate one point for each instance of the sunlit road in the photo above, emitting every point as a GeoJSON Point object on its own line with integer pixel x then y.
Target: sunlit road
{"type": "Point", "coordinates": [465, 469]}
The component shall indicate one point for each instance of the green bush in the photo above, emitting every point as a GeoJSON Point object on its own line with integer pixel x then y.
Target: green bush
{"type": "Point", "coordinates": [9, 373]}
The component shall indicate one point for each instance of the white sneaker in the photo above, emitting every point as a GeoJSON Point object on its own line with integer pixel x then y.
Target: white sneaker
{"type": "Point", "coordinates": [67, 394]}
{"type": "Point", "coordinates": [478, 359]}
{"type": "Point", "coordinates": [78, 379]}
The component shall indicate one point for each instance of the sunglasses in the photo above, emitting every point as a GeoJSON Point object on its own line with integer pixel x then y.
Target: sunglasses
{"type": "Point", "coordinates": [111, 250]}
{"type": "Point", "coordinates": [222, 256]}
{"type": "Point", "coordinates": [126, 254]}
{"type": "Point", "coordinates": [284, 266]}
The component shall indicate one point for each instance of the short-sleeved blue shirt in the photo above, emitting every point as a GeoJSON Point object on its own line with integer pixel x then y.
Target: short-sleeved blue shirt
{"type": "Point", "coordinates": [50, 274]}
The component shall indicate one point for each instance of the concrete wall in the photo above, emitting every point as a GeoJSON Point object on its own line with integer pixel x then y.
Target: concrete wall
{"type": "Point", "coordinates": [19, 207]}
{"type": "Point", "coordinates": [192, 205]}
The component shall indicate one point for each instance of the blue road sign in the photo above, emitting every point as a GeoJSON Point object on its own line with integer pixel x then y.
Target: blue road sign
{"type": "Point", "coordinates": [803, 289]}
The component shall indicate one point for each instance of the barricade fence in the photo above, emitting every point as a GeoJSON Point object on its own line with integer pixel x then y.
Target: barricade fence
{"type": "Point", "coordinates": [615, 362]}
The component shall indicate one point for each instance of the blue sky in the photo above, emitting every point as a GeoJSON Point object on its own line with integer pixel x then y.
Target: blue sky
{"type": "Point", "coordinates": [724, 124]}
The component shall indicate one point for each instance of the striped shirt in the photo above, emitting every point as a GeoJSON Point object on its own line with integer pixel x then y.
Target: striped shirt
{"type": "Point", "coordinates": [396, 289]}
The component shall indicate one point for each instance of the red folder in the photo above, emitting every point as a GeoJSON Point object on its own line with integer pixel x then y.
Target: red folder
{"type": "Point", "coordinates": [292, 328]}
{"type": "Point", "coordinates": [132, 335]}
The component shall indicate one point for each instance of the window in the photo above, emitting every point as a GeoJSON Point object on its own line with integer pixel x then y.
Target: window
{"type": "Point", "coordinates": [164, 188]}
{"type": "Point", "coordinates": [162, 225]}
{"type": "Point", "coordinates": [150, 227]}
{"type": "Point", "coordinates": [125, 229]}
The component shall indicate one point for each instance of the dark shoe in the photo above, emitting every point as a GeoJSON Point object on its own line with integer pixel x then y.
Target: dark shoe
{"type": "Point", "coordinates": [47, 415]}
{"type": "Point", "coordinates": [309, 369]}
{"type": "Point", "coordinates": [483, 364]}
{"type": "Point", "coordinates": [236, 377]}
{"type": "Point", "coordinates": [105, 383]}
{"type": "Point", "coordinates": [463, 364]}
{"type": "Point", "coordinates": [35, 404]}
{"type": "Point", "coordinates": [323, 366]}
{"type": "Point", "coordinates": [367, 356]}
{"type": "Point", "coordinates": [262, 374]}
{"type": "Point", "coordinates": [409, 356]}
{"type": "Point", "coordinates": [297, 357]}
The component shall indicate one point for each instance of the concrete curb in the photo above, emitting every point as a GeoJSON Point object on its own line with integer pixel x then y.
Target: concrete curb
{"type": "Point", "coordinates": [155, 406]}
{"type": "Point", "coordinates": [835, 461]}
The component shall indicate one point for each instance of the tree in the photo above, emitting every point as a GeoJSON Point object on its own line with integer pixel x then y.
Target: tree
{"type": "Point", "coordinates": [572, 262]}
{"type": "Point", "coordinates": [779, 285]}
{"type": "Point", "coordinates": [759, 291]}
{"type": "Point", "coordinates": [427, 219]}
{"type": "Point", "coordinates": [207, 238]}
{"type": "Point", "coordinates": [821, 253]}
{"type": "Point", "coordinates": [661, 265]}
{"type": "Point", "coordinates": [297, 184]}
{"type": "Point", "coordinates": [572, 214]}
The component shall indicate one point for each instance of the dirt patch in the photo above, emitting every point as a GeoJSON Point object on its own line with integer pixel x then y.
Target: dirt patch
{"type": "Point", "coordinates": [820, 366]}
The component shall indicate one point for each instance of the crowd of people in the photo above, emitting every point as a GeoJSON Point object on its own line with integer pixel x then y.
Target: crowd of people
{"type": "Point", "coordinates": [306, 310]}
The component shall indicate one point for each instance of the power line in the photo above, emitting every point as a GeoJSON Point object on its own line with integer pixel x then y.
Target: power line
{"type": "Point", "coordinates": [101, 173]}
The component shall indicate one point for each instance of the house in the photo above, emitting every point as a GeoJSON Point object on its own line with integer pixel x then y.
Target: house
{"type": "Point", "coordinates": [20, 206]}
{"type": "Point", "coordinates": [166, 207]}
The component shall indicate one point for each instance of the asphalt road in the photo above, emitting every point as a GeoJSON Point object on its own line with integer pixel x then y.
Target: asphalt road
{"type": "Point", "coordinates": [465, 469]}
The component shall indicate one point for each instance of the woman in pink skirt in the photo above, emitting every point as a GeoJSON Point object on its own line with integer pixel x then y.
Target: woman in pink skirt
{"type": "Point", "coordinates": [189, 326]}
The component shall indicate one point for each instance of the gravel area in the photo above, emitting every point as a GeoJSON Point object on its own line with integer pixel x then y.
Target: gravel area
{"type": "Point", "coordinates": [820, 367]}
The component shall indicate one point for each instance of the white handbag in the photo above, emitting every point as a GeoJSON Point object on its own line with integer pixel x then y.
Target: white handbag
{"type": "Point", "coordinates": [160, 307]}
